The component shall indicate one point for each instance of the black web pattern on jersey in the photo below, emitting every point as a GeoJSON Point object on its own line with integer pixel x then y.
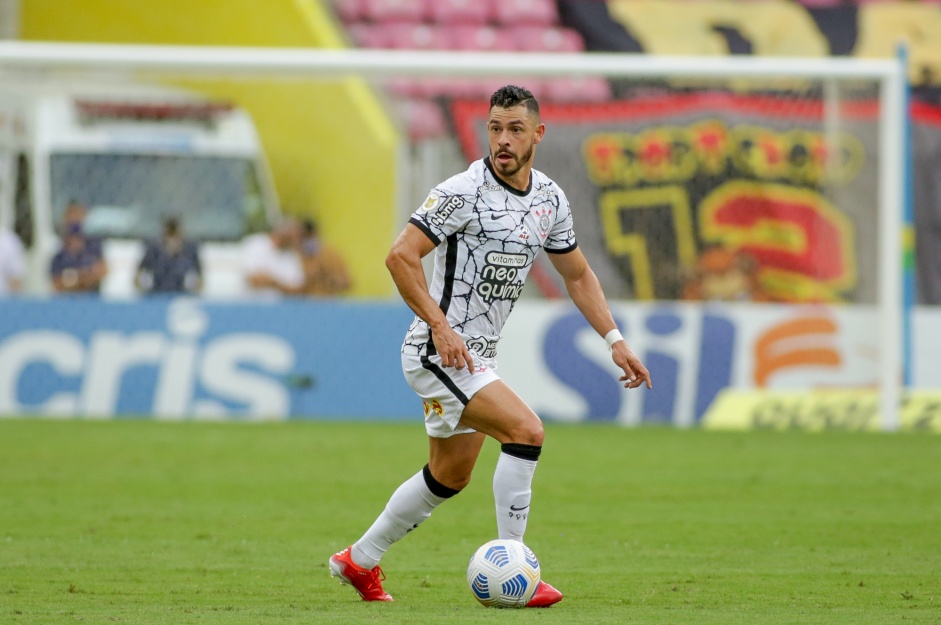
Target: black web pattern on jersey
{"type": "Point", "coordinates": [481, 268]}
{"type": "Point", "coordinates": [496, 232]}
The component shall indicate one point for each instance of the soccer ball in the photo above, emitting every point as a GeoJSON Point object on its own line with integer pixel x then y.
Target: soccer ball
{"type": "Point", "coordinates": [503, 574]}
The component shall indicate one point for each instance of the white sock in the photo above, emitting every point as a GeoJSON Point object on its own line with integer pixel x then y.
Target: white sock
{"type": "Point", "coordinates": [410, 504]}
{"type": "Point", "coordinates": [512, 492]}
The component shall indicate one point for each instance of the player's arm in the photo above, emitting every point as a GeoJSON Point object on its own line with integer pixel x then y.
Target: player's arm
{"type": "Point", "coordinates": [337, 273]}
{"type": "Point", "coordinates": [64, 279]}
{"type": "Point", "coordinates": [16, 267]}
{"type": "Point", "coordinates": [585, 290]}
{"type": "Point", "coordinates": [144, 277]}
{"type": "Point", "coordinates": [92, 276]}
{"type": "Point", "coordinates": [404, 263]}
{"type": "Point", "coordinates": [193, 282]}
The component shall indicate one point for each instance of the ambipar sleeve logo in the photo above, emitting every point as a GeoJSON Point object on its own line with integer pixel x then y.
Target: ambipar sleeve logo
{"type": "Point", "coordinates": [441, 215]}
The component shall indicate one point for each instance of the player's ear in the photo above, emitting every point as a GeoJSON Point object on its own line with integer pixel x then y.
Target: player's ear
{"type": "Point", "coordinates": [540, 132]}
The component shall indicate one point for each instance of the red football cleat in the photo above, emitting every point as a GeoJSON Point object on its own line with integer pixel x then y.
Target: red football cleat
{"type": "Point", "coordinates": [368, 583]}
{"type": "Point", "coordinates": [544, 596]}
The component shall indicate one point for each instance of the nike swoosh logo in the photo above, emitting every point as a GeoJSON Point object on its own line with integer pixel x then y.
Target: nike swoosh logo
{"type": "Point", "coordinates": [515, 509]}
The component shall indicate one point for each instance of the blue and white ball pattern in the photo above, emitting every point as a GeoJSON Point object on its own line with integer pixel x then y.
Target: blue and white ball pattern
{"type": "Point", "coordinates": [503, 574]}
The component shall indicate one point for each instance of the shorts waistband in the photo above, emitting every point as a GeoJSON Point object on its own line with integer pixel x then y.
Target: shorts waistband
{"type": "Point", "coordinates": [480, 345]}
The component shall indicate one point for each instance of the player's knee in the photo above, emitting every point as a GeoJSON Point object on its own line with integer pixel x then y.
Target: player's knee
{"type": "Point", "coordinates": [528, 433]}
{"type": "Point", "coordinates": [459, 481]}
{"type": "Point", "coordinates": [537, 435]}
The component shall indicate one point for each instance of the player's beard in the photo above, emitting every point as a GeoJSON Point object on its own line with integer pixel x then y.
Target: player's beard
{"type": "Point", "coordinates": [511, 169]}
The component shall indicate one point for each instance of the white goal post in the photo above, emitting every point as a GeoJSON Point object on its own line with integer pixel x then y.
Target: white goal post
{"type": "Point", "coordinates": [889, 75]}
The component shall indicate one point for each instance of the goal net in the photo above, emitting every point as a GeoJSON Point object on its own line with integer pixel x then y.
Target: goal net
{"type": "Point", "coordinates": [767, 191]}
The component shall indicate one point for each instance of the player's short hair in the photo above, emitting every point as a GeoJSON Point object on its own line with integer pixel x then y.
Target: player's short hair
{"type": "Point", "coordinates": [509, 96]}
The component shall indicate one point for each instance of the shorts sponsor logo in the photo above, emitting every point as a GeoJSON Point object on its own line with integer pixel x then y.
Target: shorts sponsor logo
{"type": "Point", "coordinates": [482, 346]}
{"type": "Point", "coordinates": [433, 406]}
{"type": "Point", "coordinates": [498, 278]}
{"type": "Point", "coordinates": [441, 215]}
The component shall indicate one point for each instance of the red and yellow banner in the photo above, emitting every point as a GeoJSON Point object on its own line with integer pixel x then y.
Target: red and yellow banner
{"type": "Point", "coordinates": [716, 196]}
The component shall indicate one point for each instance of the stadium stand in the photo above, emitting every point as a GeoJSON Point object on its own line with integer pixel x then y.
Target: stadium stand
{"type": "Point", "coordinates": [465, 25]}
{"type": "Point", "coordinates": [415, 36]}
{"type": "Point", "coordinates": [577, 89]}
{"type": "Point", "coordinates": [392, 11]}
{"type": "Point", "coordinates": [460, 12]}
{"type": "Point", "coordinates": [534, 12]}
{"type": "Point", "coordinates": [547, 39]}
{"type": "Point", "coordinates": [478, 37]}
{"type": "Point", "coordinates": [368, 35]}
{"type": "Point", "coordinates": [423, 118]}
{"type": "Point", "coordinates": [349, 11]}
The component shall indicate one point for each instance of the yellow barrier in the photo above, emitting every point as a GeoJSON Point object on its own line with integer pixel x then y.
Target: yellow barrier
{"type": "Point", "coordinates": [851, 409]}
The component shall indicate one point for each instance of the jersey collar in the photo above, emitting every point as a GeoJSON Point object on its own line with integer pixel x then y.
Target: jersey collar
{"type": "Point", "coordinates": [507, 186]}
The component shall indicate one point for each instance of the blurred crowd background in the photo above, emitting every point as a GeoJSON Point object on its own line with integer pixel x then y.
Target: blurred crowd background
{"type": "Point", "coordinates": [284, 192]}
{"type": "Point", "coordinates": [336, 184]}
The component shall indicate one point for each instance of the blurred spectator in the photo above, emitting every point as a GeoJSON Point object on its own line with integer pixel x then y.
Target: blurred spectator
{"type": "Point", "coordinates": [75, 214]}
{"type": "Point", "coordinates": [170, 264]}
{"type": "Point", "coordinates": [271, 261]}
{"type": "Point", "coordinates": [726, 275]}
{"type": "Point", "coordinates": [325, 271]}
{"type": "Point", "coordinates": [12, 262]}
{"type": "Point", "coordinates": [79, 266]}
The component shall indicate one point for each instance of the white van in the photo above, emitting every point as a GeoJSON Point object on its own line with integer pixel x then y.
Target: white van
{"type": "Point", "coordinates": [133, 155]}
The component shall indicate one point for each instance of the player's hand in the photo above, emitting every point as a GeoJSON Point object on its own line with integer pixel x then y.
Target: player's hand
{"type": "Point", "coordinates": [452, 349]}
{"type": "Point", "coordinates": [635, 373]}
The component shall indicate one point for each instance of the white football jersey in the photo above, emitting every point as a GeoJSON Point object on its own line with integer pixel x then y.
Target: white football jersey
{"type": "Point", "coordinates": [488, 235]}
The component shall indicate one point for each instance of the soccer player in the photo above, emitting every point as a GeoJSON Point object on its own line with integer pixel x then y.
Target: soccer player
{"type": "Point", "coordinates": [486, 227]}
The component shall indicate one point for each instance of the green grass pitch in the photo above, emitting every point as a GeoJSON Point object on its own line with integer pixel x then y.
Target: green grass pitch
{"type": "Point", "coordinates": [175, 523]}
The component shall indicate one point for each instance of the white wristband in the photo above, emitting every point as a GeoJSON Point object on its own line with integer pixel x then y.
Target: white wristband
{"type": "Point", "coordinates": [613, 337]}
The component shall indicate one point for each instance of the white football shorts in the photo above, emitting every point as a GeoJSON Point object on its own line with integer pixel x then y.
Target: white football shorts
{"type": "Point", "coordinates": [445, 391]}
